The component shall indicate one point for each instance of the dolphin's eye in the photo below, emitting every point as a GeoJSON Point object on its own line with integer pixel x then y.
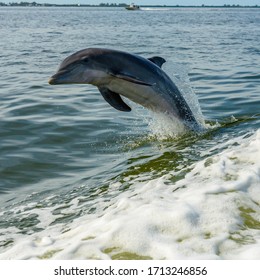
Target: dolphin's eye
{"type": "Point", "coordinates": [85, 60]}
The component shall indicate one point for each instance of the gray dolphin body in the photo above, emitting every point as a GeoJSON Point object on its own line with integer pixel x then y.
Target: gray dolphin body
{"type": "Point", "coordinates": [117, 73]}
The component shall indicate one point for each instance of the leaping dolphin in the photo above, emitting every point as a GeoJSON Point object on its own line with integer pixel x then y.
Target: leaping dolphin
{"type": "Point", "coordinates": [117, 73]}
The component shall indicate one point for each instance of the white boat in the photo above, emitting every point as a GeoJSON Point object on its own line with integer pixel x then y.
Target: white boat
{"type": "Point", "coordinates": [132, 7]}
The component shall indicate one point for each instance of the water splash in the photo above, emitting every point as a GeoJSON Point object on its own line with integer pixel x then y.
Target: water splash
{"type": "Point", "coordinates": [165, 127]}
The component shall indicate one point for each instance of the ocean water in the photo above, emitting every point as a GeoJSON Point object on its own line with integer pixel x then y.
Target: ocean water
{"type": "Point", "coordinates": [80, 180]}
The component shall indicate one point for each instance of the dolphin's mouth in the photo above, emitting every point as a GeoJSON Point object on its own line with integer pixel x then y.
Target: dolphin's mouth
{"type": "Point", "coordinates": [52, 81]}
{"type": "Point", "coordinates": [60, 77]}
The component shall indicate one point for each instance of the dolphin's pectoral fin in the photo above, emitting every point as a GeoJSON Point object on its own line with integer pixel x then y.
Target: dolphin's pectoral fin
{"type": "Point", "coordinates": [130, 79]}
{"type": "Point", "coordinates": [159, 61]}
{"type": "Point", "coordinates": [114, 99]}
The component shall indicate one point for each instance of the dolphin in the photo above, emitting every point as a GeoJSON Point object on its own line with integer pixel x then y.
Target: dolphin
{"type": "Point", "coordinates": [117, 73]}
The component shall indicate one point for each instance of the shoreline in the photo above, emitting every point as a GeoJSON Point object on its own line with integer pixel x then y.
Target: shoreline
{"type": "Point", "coordinates": [34, 4]}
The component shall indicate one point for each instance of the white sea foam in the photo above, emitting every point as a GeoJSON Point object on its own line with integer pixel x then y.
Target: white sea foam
{"type": "Point", "coordinates": [212, 213]}
{"type": "Point", "coordinates": [155, 9]}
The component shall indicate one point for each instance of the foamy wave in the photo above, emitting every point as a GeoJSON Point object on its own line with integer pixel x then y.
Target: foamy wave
{"type": "Point", "coordinates": [212, 213]}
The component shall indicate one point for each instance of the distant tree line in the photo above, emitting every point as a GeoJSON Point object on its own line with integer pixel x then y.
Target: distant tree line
{"type": "Point", "coordinates": [23, 4]}
{"type": "Point", "coordinates": [112, 5]}
{"type": "Point", "coordinates": [34, 4]}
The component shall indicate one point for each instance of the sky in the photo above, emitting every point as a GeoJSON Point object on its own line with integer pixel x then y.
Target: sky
{"type": "Point", "coordinates": [151, 2]}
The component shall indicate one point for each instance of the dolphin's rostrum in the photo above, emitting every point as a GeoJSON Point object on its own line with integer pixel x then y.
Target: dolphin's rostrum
{"type": "Point", "coordinates": [117, 73]}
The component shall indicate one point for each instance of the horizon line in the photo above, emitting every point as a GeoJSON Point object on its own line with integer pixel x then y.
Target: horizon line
{"type": "Point", "coordinates": [24, 3]}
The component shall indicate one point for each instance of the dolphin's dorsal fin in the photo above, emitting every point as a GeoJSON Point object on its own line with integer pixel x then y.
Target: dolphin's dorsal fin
{"type": "Point", "coordinates": [159, 61]}
{"type": "Point", "coordinates": [114, 99]}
